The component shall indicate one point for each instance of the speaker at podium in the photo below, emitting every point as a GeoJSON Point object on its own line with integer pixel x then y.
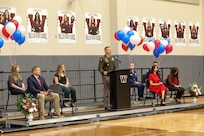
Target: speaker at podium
{"type": "Point", "coordinates": [120, 89]}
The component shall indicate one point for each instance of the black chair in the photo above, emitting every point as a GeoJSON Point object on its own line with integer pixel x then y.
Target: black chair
{"type": "Point", "coordinates": [150, 95]}
{"type": "Point", "coordinates": [173, 93]}
{"type": "Point", "coordinates": [9, 94]}
{"type": "Point", "coordinates": [58, 89]}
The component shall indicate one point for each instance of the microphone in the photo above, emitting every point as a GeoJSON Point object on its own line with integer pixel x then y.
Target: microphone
{"type": "Point", "coordinates": [116, 58]}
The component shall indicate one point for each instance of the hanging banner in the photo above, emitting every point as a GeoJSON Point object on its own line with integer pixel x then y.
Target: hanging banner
{"type": "Point", "coordinates": [148, 29]}
{"type": "Point", "coordinates": [93, 28]}
{"type": "Point", "coordinates": [66, 27]}
{"type": "Point", "coordinates": [6, 14]}
{"type": "Point", "coordinates": [132, 22]}
{"type": "Point", "coordinates": [164, 28]}
{"type": "Point", "coordinates": [180, 35]}
{"type": "Point", "coordinates": [194, 37]}
{"type": "Point", "coordinates": [37, 25]}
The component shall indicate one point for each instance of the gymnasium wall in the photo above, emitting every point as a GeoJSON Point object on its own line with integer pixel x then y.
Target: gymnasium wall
{"type": "Point", "coordinates": [114, 17]}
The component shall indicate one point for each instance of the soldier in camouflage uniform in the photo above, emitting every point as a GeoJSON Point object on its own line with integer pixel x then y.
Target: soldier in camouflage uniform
{"type": "Point", "coordinates": [106, 64]}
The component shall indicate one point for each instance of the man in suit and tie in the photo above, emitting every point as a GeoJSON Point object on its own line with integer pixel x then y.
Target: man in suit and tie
{"type": "Point", "coordinates": [38, 87]}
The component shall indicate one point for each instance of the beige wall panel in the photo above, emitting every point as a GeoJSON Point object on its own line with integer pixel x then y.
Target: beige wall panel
{"type": "Point", "coordinates": [114, 16]}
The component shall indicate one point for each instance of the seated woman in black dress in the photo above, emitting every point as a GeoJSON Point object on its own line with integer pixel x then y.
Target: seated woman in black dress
{"type": "Point", "coordinates": [62, 79]}
{"type": "Point", "coordinates": [16, 85]}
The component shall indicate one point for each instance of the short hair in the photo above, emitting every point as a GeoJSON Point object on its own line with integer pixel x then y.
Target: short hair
{"type": "Point", "coordinates": [106, 47]}
{"type": "Point", "coordinates": [34, 68]}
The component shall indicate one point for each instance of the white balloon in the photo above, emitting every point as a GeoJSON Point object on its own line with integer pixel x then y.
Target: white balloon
{"type": "Point", "coordinates": [18, 18]}
{"type": "Point", "coordinates": [135, 33]}
{"type": "Point", "coordinates": [22, 29]}
{"type": "Point", "coordinates": [10, 28]}
{"type": "Point", "coordinates": [1, 27]}
{"type": "Point", "coordinates": [151, 45]}
{"type": "Point", "coordinates": [164, 42]}
{"type": "Point", "coordinates": [135, 39]}
{"type": "Point", "coordinates": [126, 29]}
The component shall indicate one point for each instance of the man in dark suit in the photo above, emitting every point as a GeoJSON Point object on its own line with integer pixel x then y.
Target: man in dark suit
{"type": "Point", "coordinates": [38, 87]}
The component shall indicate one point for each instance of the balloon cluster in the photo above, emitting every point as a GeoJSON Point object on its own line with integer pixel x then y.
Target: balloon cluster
{"type": "Point", "coordinates": [158, 46]}
{"type": "Point", "coordinates": [130, 38]}
{"type": "Point", "coordinates": [12, 30]}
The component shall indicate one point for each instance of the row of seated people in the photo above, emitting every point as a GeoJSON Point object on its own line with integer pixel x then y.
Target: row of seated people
{"type": "Point", "coordinates": [37, 86]}
{"type": "Point", "coordinates": [155, 84]}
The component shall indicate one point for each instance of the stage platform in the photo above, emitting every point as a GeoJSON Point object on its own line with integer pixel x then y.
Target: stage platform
{"type": "Point", "coordinates": [12, 125]}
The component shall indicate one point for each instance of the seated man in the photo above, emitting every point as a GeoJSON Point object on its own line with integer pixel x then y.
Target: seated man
{"type": "Point", "coordinates": [38, 87]}
{"type": "Point", "coordinates": [149, 70]}
{"type": "Point", "coordinates": [134, 82]}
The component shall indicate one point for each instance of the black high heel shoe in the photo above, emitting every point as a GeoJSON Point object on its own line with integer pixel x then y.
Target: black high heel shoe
{"type": "Point", "coordinates": [162, 103]}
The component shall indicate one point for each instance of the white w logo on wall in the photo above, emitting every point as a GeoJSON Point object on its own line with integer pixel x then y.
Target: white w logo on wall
{"type": "Point", "coordinates": [123, 79]}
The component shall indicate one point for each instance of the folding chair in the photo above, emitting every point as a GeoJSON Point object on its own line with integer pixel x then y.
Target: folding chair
{"type": "Point", "coordinates": [58, 89]}
{"type": "Point", "coordinates": [150, 95]}
{"type": "Point", "coordinates": [133, 91]}
{"type": "Point", "coordinates": [9, 93]}
{"type": "Point", "coordinates": [173, 93]}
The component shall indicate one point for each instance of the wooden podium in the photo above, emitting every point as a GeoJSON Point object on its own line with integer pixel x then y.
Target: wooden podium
{"type": "Point", "coordinates": [120, 89]}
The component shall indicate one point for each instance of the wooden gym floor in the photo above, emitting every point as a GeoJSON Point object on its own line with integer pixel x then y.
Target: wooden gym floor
{"type": "Point", "coordinates": [183, 123]}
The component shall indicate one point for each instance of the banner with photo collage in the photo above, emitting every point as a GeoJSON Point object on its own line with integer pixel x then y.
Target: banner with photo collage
{"type": "Point", "coordinates": [66, 26]}
{"type": "Point", "coordinates": [149, 32]}
{"type": "Point", "coordinates": [180, 33]}
{"type": "Point", "coordinates": [132, 22]}
{"type": "Point", "coordinates": [93, 28]}
{"type": "Point", "coordinates": [194, 35]}
{"type": "Point", "coordinates": [6, 14]}
{"type": "Point", "coordinates": [37, 25]}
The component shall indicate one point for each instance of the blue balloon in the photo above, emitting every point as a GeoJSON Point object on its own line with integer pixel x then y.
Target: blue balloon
{"type": "Point", "coordinates": [1, 42]}
{"type": "Point", "coordinates": [130, 33]}
{"type": "Point", "coordinates": [6, 23]}
{"type": "Point", "coordinates": [16, 35]}
{"type": "Point", "coordinates": [126, 39]}
{"type": "Point", "coordinates": [21, 40]}
{"type": "Point", "coordinates": [169, 41]}
{"type": "Point", "coordinates": [120, 34]}
{"type": "Point", "coordinates": [151, 40]}
{"type": "Point", "coordinates": [161, 48]}
{"type": "Point", "coordinates": [131, 46]}
{"type": "Point", "coordinates": [155, 53]}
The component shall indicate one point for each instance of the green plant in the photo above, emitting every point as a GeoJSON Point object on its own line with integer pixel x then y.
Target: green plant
{"type": "Point", "coordinates": [27, 104]}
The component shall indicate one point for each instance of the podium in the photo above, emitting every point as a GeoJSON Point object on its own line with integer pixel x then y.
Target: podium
{"type": "Point", "coordinates": [120, 89]}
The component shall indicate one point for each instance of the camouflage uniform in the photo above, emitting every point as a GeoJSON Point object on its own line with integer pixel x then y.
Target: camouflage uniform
{"type": "Point", "coordinates": [106, 64]}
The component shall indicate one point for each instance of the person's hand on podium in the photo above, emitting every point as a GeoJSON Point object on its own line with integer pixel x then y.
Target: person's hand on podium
{"type": "Point", "coordinates": [105, 73]}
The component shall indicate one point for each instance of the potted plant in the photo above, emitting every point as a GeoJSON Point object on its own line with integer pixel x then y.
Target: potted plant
{"type": "Point", "coordinates": [194, 91]}
{"type": "Point", "coordinates": [27, 105]}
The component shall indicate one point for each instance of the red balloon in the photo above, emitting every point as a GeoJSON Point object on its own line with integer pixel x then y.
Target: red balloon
{"type": "Point", "coordinates": [157, 43]}
{"type": "Point", "coordinates": [141, 41]}
{"type": "Point", "coordinates": [5, 33]}
{"type": "Point", "coordinates": [15, 23]}
{"type": "Point", "coordinates": [11, 38]}
{"type": "Point", "coordinates": [124, 47]}
{"type": "Point", "coordinates": [116, 37]}
{"type": "Point", "coordinates": [169, 48]}
{"type": "Point", "coordinates": [145, 47]}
